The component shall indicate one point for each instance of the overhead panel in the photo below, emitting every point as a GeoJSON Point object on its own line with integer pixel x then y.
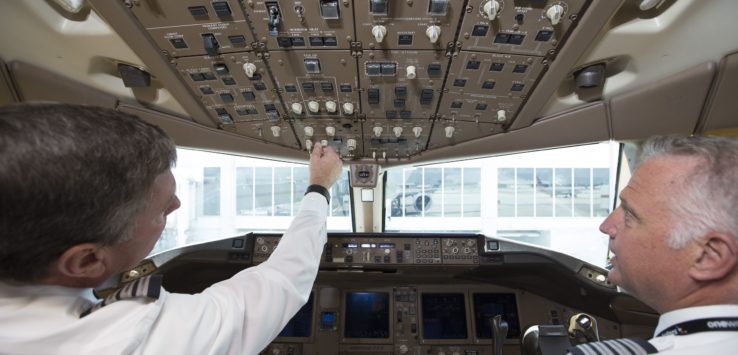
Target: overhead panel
{"type": "Point", "coordinates": [321, 94]}
{"type": "Point", "coordinates": [183, 28]}
{"type": "Point", "coordinates": [488, 87]}
{"type": "Point", "coordinates": [376, 79]}
{"type": "Point", "coordinates": [312, 24]}
{"type": "Point", "coordinates": [532, 27]}
{"type": "Point", "coordinates": [425, 24]}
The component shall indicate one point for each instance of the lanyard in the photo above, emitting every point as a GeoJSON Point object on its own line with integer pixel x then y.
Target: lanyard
{"type": "Point", "coordinates": [702, 325]}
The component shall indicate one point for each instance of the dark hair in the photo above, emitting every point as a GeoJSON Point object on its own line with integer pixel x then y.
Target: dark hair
{"type": "Point", "coordinates": [708, 198]}
{"type": "Point", "coordinates": [71, 174]}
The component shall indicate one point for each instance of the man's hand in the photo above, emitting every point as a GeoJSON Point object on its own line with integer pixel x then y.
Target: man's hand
{"type": "Point", "coordinates": [325, 166]}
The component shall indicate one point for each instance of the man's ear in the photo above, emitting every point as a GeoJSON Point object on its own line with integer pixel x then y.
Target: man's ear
{"type": "Point", "coordinates": [718, 255]}
{"type": "Point", "coordinates": [83, 261]}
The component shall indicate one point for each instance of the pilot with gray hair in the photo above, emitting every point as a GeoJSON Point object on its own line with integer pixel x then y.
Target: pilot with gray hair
{"type": "Point", "coordinates": [674, 240]}
{"type": "Point", "coordinates": [84, 196]}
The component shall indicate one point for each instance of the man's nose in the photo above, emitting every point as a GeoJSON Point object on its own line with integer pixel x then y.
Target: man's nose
{"type": "Point", "coordinates": [608, 225]}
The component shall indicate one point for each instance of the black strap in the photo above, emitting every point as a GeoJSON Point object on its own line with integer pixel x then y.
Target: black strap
{"type": "Point", "coordinates": [626, 346]}
{"type": "Point", "coordinates": [702, 325]}
{"type": "Point", "coordinates": [321, 190]}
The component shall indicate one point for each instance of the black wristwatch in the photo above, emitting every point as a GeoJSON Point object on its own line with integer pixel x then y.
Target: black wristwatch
{"type": "Point", "coordinates": [321, 190]}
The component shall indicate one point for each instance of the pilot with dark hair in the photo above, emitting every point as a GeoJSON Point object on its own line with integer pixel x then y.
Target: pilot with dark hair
{"type": "Point", "coordinates": [84, 195]}
{"type": "Point", "coordinates": [674, 240]}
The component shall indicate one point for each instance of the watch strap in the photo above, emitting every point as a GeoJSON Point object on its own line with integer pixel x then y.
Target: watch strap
{"type": "Point", "coordinates": [319, 189]}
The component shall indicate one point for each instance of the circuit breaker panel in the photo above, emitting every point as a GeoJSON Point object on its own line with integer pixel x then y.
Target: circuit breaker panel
{"type": "Point", "coordinates": [376, 79]}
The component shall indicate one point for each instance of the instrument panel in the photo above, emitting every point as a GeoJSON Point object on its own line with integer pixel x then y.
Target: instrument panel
{"type": "Point", "coordinates": [414, 293]}
{"type": "Point", "coordinates": [375, 79]}
{"type": "Point", "coordinates": [378, 251]}
{"type": "Point", "coordinates": [417, 319]}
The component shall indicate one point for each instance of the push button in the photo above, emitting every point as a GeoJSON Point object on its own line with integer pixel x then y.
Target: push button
{"type": "Point", "coordinates": [178, 43]}
{"type": "Point", "coordinates": [198, 11]}
{"type": "Point", "coordinates": [222, 9]}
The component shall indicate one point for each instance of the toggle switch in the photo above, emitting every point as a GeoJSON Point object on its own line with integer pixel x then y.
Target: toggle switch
{"type": "Point", "coordinates": [351, 144]}
{"type": "Point", "coordinates": [276, 130]}
{"type": "Point", "coordinates": [450, 131]}
{"type": "Point", "coordinates": [501, 115]}
{"type": "Point", "coordinates": [410, 72]}
{"type": "Point", "coordinates": [210, 43]}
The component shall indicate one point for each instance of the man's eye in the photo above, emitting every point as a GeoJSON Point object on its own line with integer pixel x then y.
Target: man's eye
{"type": "Point", "coordinates": [628, 216]}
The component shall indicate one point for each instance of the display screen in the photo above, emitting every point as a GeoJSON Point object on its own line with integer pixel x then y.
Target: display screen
{"type": "Point", "coordinates": [301, 323]}
{"type": "Point", "coordinates": [444, 316]}
{"type": "Point", "coordinates": [367, 315]}
{"type": "Point", "coordinates": [488, 305]}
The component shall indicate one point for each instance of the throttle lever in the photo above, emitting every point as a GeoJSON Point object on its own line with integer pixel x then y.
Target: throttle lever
{"type": "Point", "coordinates": [499, 333]}
{"type": "Point", "coordinates": [583, 328]}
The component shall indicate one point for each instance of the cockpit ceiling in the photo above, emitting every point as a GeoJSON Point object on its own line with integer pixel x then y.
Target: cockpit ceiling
{"type": "Point", "coordinates": [384, 81]}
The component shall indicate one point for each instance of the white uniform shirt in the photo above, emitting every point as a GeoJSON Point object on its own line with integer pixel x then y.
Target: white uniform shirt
{"type": "Point", "coordinates": [712, 342]}
{"type": "Point", "coordinates": [241, 315]}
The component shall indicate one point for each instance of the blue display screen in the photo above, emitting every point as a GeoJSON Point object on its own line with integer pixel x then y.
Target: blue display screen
{"type": "Point", "coordinates": [488, 305]}
{"type": "Point", "coordinates": [444, 316]}
{"type": "Point", "coordinates": [367, 315]}
{"type": "Point", "coordinates": [301, 323]}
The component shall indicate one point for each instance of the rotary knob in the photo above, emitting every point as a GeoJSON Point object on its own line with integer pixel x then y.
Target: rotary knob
{"type": "Point", "coordinates": [433, 32]}
{"type": "Point", "coordinates": [330, 131]}
{"type": "Point", "coordinates": [490, 9]}
{"type": "Point", "coordinates": [377, 131]}
{"type": "Point", "coordinates": [351, 144]}
{"type": "Point", "coordinates": [309, 131]}
{"type": "Point", "coordinates": [330, 106]}
{"type": "Point", "coordinates": [555, 13]}
{"type": "Point", "coordinates": [276, 130]}
{"type": "Point", "coordinates": [397, 131]}
{"type": "Point", "coordinates": [417, 131]}
{"type": "Point", "coordinates": [313, 106]}
{"type": "Point", "coordinates": [379, 31]}
{"type": "Point", "coordinates": [249, 69]}
{"type": "Point", "coordinates": [297, 108]}
{"type": "Point", "coordinates": [348, 108]}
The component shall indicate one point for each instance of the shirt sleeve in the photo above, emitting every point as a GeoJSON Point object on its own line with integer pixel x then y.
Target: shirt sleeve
{"type": "Point", "coordinates": [243, 314]}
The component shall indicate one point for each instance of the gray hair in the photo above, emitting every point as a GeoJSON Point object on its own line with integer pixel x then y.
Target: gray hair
{"type": "Point", "coordinates": [710, 192]}
{"type": "Point", "coordinates": [72, 174]}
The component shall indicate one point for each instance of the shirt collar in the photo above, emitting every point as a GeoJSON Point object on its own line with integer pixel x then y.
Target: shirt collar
{"type": "Point", "coordinates": [674, 317]}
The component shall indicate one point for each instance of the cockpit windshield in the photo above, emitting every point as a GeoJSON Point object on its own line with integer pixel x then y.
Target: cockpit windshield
{"type": "Point", "coordinates": [551, 198]}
